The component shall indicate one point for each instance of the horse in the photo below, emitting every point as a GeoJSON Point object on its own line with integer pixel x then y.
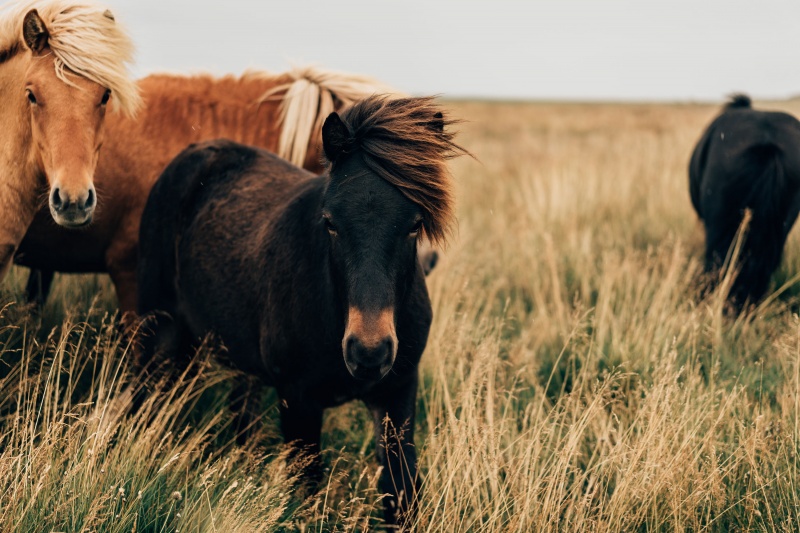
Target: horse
{"type": "Point", "coordinates": [311, 283]}
{"type": "Point", "coordinates": [282, 113]}
{"type": "Point", "coordinates": [61, 63]}
{"type": "Point", "coordinates": [747, 160]}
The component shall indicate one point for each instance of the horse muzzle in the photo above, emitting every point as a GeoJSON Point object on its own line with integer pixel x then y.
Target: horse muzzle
{"type": "Point", "coordinates": [370, 344]}
{"type": "Point", "coordinates": [72, 210]}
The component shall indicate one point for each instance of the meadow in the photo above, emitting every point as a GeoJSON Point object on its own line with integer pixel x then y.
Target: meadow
{"type": "Point", "coordinates": [575, 379]}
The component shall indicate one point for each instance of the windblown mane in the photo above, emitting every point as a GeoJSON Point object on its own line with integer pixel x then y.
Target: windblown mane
{"type": "Point", "coordinates": [85, 39]}
{"type": "Point", "coordinates": [406, 142]}
{"type": "Point", "coordinates": [312, 94]}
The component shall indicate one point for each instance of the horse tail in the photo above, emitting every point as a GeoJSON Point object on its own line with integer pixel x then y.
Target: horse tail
{"type": "Point", "coordinates": [311, 95]}
{"type": "Point", "coordinates": [739, 101]}
{"type": "Point", "coordinates": [767, 201]}
{"type": "Point", "coordinates": [769, 187]}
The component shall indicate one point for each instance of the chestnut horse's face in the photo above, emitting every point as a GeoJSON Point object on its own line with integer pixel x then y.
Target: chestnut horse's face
{"type": "Point", "coordinates": [373, 230]}
{"type": "Point", "coordinates": [66, 132]}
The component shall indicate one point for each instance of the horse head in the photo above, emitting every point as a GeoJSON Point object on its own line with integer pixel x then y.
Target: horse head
{"type": "Point", "coordinates": [388, 188]}
{"type": "Point", "coordinates": [67, 94]}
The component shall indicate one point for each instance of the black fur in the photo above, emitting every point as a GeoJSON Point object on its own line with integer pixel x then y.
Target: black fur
{"type": "Point", "coordinates": [238, 242]}
{"type": "Point", "coordinates": [747, 160]}
{"type": "Point", "coordinates": [739, 101]}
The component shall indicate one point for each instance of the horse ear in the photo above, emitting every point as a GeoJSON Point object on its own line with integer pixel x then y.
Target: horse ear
{"type": "Point", "coordinates": [335, 137]}
{"type": "Point", "coordinates": [34, 31]}
{"type": "Point", "coordinates": [437, 124]}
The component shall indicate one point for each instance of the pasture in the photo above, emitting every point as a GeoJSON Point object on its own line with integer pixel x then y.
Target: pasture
{"type": "Point", "coordinates": [573, 380]}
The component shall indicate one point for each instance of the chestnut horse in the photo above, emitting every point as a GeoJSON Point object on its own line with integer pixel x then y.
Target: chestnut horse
{"type": "Point", "coordinates": [61, 62]}
{"type": "Point", "coordinates": [312, 283]}
{"type": "Point", "coordinates": [280, 112]}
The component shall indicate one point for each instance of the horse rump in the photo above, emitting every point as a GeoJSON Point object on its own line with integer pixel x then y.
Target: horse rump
{"type": "Point", "coordinates": [740, 166]}
{"type": "Point", "coordinates": [163, 332]}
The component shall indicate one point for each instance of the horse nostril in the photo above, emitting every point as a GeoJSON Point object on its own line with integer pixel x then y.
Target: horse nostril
{"type": "Point", "coordinates": [55, 198]}
{"type": "Point", "coordinates": [368, 356]}
{"type": "Point", "coordinates": [350, 344]}
{"type": "Point", "coordinates": [90, 200]}
{"type": "Point", "coordinates": [386, 346]}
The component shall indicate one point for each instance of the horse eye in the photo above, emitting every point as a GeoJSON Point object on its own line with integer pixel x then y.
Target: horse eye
{"type": "Point", "coordinates": [329, 226]}
{"type": "Point", "coordinates": [106, 96]}
{"type": "Point", "coordinates": [31, 96]}
{"type": "Point", "coordinates": [416, 229]}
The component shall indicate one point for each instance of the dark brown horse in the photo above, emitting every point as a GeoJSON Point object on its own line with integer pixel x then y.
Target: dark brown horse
{"type": "Point", "coordinates": [310, 282]}
{"type": "Point", "coordinates": [747, 160]}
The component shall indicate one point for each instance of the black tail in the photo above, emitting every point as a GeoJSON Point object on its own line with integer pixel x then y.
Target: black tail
{"type": "Point", "coordinates": [769, 192]}
{"type": "Point", "coordinates": [768, 202]}
{"type": "Point", "coordinates": [739, 101]}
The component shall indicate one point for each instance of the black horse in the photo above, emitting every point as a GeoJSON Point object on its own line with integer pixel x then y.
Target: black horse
{"type": "Point", "coordinates": [311, 283]}
{"type": "Point", "coordinates": [747, 160]}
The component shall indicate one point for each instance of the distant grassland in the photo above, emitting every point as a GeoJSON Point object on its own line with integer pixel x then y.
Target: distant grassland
{"type": "Point", "coordinates": [573, 380]}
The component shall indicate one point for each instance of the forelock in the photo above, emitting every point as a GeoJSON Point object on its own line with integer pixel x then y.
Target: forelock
{"type": "Point", "coordinates": [85, 40]}
{"type": "Point", "coordinates": [406, 141]}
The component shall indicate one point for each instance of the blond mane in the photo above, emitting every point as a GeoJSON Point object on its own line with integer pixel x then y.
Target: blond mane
{"type": "Point", "coordinates": [309, 98]}
{"type": "Point", "coordinates": [85, 39]}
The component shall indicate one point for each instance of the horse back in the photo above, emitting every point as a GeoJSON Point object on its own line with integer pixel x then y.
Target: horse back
{"type": "Point", "coordinates": [200, 234]}
{"type": "Point", "coordinates": [746, 158]}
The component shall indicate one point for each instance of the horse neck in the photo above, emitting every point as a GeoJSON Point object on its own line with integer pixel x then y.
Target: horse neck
{"type": "Point", "coordinates": [301, 262]}
{"type": "Point", "coordinates": [21, 181]}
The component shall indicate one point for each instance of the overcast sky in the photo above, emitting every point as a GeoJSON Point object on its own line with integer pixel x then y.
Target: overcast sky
{"type": "Point", "coordinates": [536, 49]}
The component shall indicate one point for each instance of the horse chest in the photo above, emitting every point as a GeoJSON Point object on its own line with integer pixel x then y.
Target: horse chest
{"type": "Point", "coordinates": [319, 375]}
{"type": "Point", "coordinates": [47, 245]}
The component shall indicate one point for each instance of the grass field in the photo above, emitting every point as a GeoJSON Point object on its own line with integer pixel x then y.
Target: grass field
{"type": "Point", "coordinates": [573, 381]}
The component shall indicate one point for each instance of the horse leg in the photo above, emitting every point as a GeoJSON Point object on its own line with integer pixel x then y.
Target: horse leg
{"type": "Point", "coordinates": [121, 261]}
{"type": "Point", "coordinates": [720, 235]}
{"type": "Point", "coordinates": [125, 286]}
{"type": "Point", "coordinates": [163, 351]}
{"type": "Point", "coordinates": [247, 406]}
{"type": "Point", "coordinates": [301, 426]}
{"type": "Point", "coordinates": [38, 287]}
{"type": "Point", "coordinates": [393, 415]}
{"type": "Point", "coordinates": [7, 252]}
{"type": "Point", "coordinates": [163, 338]}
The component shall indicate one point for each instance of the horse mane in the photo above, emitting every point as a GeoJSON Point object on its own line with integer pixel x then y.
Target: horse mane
{"type": "Point", "coordinates": [85, 39]}
{"type": "Point", "coordinates": [406, 142]}
{"type": "Point", "coordinates": [739, 101]}
{"type": "Point", "coordinates": [309, 97]}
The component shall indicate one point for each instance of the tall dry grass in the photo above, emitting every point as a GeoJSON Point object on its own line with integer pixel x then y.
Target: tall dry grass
{"type": "Point", "coordinates": [574, 380]}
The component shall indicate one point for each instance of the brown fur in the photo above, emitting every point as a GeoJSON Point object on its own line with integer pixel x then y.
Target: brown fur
{"type": "Point", "coordinates": [370, 328]}
{"type": "Point", "coordinates": [53, 143]}
{"type": "Point", "coordinates": [82, 39]}
{"type": "Point", "coordinates": [178, 110]}
{"type": "Point", "coordinates": [52, 85]}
